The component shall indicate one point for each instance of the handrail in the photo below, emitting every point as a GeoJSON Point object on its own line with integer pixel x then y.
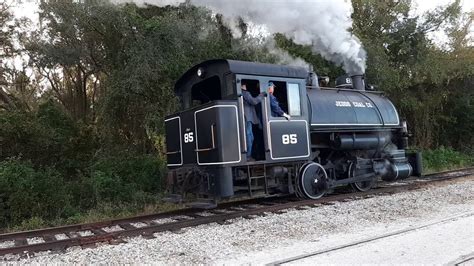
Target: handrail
{"type": "Point", "coordinates": [213, 141]}
{"type": "Point", "coordinates": [244, 124]}
{"type": "Point", "coordinates": [268, 142]}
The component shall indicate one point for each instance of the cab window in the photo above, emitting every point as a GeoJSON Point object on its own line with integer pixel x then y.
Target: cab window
{"type": "Point", "coordinates": [206, 91]}
{"type": "Point", "coordinates": [294, 103]}
{"type": "Point", "coordinates": [253, 86]}
{"type": "Point", "coordinates": [288, 96]}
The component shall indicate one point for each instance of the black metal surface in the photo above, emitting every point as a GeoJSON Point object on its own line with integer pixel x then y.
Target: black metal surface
{"type": "Point", "coordinates": [348, 108]}
{"type": "Point", "coordinates": [217, 127]}
{"type": "Point", "coordinates": [209, 135]}
{"type": "Point", "coordinates": [238, 67]}
{"type": "Point", "coordinates": [359, 141]}
{"type": "Point", "coordinates": [358, 82]}
{"type": "Point", "coordinates": [289, 140]}
{"type": "Point", "coordinates": [173, 143]}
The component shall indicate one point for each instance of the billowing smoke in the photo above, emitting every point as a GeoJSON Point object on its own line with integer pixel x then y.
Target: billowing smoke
{"type": "Point", "coordinates": [323, 24]}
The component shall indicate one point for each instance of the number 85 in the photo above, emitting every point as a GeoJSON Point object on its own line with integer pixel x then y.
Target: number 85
{"type": "Point", "coordinates": [289, 139]}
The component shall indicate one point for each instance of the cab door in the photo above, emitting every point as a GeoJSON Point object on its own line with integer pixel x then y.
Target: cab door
{"type": "Point", "coordinates": [286, 139]}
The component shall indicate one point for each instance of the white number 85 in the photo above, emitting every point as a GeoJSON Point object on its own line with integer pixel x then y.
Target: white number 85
{"type": "Point", "coordinates": [188, 137]}
{"type": "Point", "coordinates": [289, 139]}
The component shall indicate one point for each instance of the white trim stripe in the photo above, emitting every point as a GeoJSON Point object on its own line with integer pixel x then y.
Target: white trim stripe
{"type": "Point", "coordinates": [348, 124]}
{"type": "Point", "coordinates": [396, 112]}
{"type": "Point", "coordinates": [180, 140]}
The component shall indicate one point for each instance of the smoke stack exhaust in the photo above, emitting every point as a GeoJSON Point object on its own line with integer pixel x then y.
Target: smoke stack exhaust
{"type": "Point", "coordinates": [358, 82]}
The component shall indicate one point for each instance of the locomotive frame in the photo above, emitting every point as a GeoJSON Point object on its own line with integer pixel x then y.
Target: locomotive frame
{"type": "Point", "coordinates": [336, 136]}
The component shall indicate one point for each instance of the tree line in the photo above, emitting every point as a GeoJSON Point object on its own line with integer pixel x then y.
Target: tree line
{"type": "Point", "coordinates": [81, 114]}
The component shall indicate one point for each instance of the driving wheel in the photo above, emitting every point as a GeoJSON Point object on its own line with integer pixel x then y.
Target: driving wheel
{"type": "Point", "coordinates": [359, 186]}
{"type": "Point", "coordinates": [313, 181]}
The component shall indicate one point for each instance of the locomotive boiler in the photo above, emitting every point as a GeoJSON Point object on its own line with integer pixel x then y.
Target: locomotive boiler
{"type": "Point", "coordinates": [339, 136]}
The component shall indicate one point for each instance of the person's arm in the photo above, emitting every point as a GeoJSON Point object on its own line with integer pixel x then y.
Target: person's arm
{"type": "Point", "coordinates": [251, 100]}
{"type": "Point", "coordinates": [275, 106]}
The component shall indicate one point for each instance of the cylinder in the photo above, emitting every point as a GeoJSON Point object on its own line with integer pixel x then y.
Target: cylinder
{"type": "Point", "coordinates": [312, 80]}
{"type": "Point", "coordinates": [398, 171]}
{"type": "Point", "coordinates": [359, 141]}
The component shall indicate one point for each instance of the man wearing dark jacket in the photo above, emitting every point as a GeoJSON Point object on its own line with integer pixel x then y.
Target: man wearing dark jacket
{"type": "Point", "coordinates": [251, 117]}
{"type": "Point", "coordinates": [274, 105]}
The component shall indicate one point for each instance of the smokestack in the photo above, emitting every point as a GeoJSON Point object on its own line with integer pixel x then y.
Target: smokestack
{"type": "Point", "coordinates": [358, 82]}
{"type": "Point", "coordinates": [312, 80]}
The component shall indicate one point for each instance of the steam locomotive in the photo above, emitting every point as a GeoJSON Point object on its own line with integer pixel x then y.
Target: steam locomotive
{"type": "Point", "coordinates": [343, 136]}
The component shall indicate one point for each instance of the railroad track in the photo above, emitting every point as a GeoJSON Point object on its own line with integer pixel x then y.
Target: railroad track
{"type": "Point", "coordinates": [114, 231]}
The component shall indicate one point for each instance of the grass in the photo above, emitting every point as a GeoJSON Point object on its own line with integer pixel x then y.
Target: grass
{"type": "Point", "coordinates": [102, 213]}
{"type": "Point", "coordinates": [443, 159]}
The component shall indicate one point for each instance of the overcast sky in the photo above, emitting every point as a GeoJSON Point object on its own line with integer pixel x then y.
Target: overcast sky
{"type": "Point", "coordinates": [28, 8]}
{"type": "Point", "coordinates": [425, 5]}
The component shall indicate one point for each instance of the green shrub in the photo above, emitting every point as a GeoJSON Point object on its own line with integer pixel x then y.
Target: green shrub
{"type": "Point", "coordinates": [444, 159]}
{"type": "Point", "coordinates": [81, 192]}
{"type": "Point", "coordinates": [48, 137]}
{"type": "Point", "coordinates": [127, 177]}
{"type": "Point", "coordinates": [54, 170]}
{"type": "Point", "coordinates": [26, 193]}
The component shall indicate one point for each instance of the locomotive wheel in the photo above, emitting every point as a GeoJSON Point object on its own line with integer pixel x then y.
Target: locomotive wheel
{"type": "Point", "coordinates": [363, 186]}
{"type": "Point", "coordinates": [360, 186]}
{"type": "Point", "coordinates": [313, 181]}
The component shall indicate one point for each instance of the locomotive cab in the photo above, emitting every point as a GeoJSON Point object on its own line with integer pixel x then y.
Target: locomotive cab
{"type": "Point", "coordinates": [212, 119]}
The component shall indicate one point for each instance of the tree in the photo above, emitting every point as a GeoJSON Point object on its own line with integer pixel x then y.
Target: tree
{"type": "Point", "coordinates": [6, 52]}
{"type": "Point", "coordinates": [74, 51]}
{"type": "Point", "coordinates": [427, 83]}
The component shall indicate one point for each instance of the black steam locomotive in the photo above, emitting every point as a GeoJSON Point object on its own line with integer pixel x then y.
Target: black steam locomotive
{"type": "Point", "coordinates": [339, 136]}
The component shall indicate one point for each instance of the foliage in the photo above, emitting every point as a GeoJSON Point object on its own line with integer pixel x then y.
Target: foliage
{"type": "Point", "coordinates": [26, 192]}
{"type": "Point", "coordinates": [48, 137]}
{"type": "Point", "coordinates": [53, 170]}
{"type": "Point", "coordinates": [444, 159]}
{"type": "Point", "coordinates": [126, 177]}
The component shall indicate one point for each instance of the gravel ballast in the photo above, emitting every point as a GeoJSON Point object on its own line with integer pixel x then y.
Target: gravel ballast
{"type": "Point", "coordinates": [247, 240]}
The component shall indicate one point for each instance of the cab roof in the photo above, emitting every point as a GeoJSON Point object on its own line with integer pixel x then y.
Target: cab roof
{"type": "Point", "coordinates": [221, 67]}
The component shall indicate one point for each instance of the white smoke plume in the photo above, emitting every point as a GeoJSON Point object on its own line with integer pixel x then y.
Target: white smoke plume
{"type": "Point", "coordinates": [323, 24]}
{"type": "Point", "coordinates": [284, 57]}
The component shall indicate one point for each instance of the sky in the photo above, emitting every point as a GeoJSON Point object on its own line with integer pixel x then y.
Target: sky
{"type": "Point", "coordinates": [425, 5]}
{"type": "Point", "coordinates": [29, 7]}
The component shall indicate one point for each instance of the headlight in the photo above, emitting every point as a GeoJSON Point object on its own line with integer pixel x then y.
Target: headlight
{"type": "Point", "coordinates": [201, 72]}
